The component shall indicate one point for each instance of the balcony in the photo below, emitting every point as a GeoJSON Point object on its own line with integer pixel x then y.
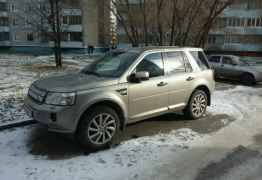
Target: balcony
{"type": "Point", "coordinates": [5, 43]}
{"type": "Point", "coordinates": [4, 29]}
{"type": "Point", "coordinates": [72, 28]}
{"type": "Point", "coordinates": [242, 13]}
{"type": "Point", "coordinates": [3, 14]}
{"type": "Point", "coordinates": [238, 31]}
{"type": "Point", "coordinates": [72, 12]}
{"type": "Point", "coordinates": [235, 47]}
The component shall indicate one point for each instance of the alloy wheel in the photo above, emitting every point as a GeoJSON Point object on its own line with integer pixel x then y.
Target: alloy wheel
{"type": "Point", "coordinates": [199, 105]}
{"type": "Point", "coordinates": [101, 129]}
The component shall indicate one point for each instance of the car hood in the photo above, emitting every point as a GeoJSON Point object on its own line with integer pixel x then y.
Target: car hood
{"type": "Point", "coordinates": [73, 82]}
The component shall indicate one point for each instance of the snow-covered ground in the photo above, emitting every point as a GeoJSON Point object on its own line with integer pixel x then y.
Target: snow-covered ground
{"type": "Point", "coordinates": [27, 154]}
{"type": "Point", "coordinates": [17, 72]}
{"type": "Point", "coordinates": [180, 154]}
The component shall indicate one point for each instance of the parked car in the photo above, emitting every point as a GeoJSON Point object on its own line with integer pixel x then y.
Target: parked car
{"type": "Point", "coordinates": [114, 91]}
{"type": "Point", "coordinates": [236, 68]}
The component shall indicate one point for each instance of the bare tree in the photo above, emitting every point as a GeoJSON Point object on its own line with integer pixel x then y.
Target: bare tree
{"type": "Point", "coordinates": [143, 8]}
{"type": "Point", "coordinates": [159, 8]}
{"type": "Point", "coordinates": [214, 8]}
{"type": "Point", "coordinates": [44, 17]}
{"type": "Point", "coordinates": [55, 22]}
{"type": "Point", "coordinates": [173, 22]}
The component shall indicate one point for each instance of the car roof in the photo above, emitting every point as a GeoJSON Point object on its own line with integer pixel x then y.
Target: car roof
{"type": "Point", "coordinates": [159, 48]}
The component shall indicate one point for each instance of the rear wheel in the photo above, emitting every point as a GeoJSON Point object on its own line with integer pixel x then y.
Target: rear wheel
{"type": "Point", "coordinates": [98, 128]}
{"type": "Point", "coordinates": [197, 105]}
{"type": "Point", "coordinates": [248, 79]}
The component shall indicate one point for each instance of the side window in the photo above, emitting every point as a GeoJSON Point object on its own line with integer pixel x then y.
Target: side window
{"type": "Point", "coordinates": [175, 62]}
{"type": "Point", "coordinates": [227, 60]}
{"type": "Point", "coordinates": [153, 64]}
{"type": "Point", "coordinates": [187, 63]}
{"type": "Point", "coordinates": [201, 59]}
{"type": "Point", "coordinates": [215, 59]}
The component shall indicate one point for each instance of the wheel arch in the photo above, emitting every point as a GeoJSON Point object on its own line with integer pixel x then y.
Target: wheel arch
{"type": "Point", "coordinates": [109, 103]}
{"type": "Point", "coordinates": [206, 90]}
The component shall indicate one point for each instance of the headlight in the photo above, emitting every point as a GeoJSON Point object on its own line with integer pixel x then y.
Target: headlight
{"type": "Point", "coordinates": [62, 99]}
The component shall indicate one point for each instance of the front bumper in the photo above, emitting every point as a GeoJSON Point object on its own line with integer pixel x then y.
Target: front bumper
{"type": "Point", "coordinates": [57, 118]}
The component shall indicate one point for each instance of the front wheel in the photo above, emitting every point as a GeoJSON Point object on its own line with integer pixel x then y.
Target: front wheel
{"type": "Point", "coordinates": [98, 128]}
{"type": "Point", "coordinates": [248, 79]}
{"type": "Point", "coordinates": [197, 105]}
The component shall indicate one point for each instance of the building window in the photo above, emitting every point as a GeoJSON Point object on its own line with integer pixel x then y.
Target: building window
{"type": "Point", "coordinates": [75, 20]}
{"type": "Point", "coordinates": [243, 22]}
{"type": "Point", "coordinates": [230, 22]}
{"type": "Point", "coordinates": [65, 19]}
{"type": "Point", "coordinates": [253, 22]}
{"type": "Point", "coordinates": [14, 22]}
{"type": "Point", "coordinates": [212, 39]}
{"type": "Point", "coordinates": [12, 8]}
{"type": "Point", "coordinates": [3, 6]}
{"type": "Point", "coordinates": [75, 36]}
{"type": "Point", "coordinates": [4, 21]}
{"type": "Point", "coordinates": [4, 36]}
{"type": "Point", "coordinates": [238, 23]}
{"type": "Point", "coordinates": [249, 22]}
{"type": "Point", "coordinates": [30, 37]}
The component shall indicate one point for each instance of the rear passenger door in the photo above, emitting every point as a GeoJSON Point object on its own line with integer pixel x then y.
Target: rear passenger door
{"type": "Point", "coordinates": [179, 79]}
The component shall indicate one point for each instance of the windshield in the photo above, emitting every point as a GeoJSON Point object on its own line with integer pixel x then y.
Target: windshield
{"type": "Point", "coordinates": [111, 65]}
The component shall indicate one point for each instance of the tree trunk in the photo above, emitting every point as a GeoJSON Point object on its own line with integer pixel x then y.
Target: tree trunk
{"type": "Point", "coordinates": [172, 35]}
{"type": "Point", "coordinates": [58, 36]}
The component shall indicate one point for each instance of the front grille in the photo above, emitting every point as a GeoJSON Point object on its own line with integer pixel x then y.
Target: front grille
{"type": "Point", "coordinates": [36, 94]}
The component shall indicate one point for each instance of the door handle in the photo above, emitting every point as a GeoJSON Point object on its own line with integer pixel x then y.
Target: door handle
{"type": "Point", "coordinates": [162, 84]}
{"type": "Point", "coordinates": [190, 78]}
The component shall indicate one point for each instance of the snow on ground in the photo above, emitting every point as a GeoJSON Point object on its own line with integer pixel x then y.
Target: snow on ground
{"type": "Point", "coordinates": [176, 155]}
{"type": "Point", "coordinates": [17, 72]}
{"type": "Point", "coordinates": [179, 154]}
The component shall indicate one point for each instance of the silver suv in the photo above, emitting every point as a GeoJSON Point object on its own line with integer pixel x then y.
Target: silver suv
{"type": "Point", "coordinates": [122, 88]}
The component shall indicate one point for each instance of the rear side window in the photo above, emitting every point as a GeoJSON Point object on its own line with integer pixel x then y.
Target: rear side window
{"type": "Point", "coordinates": [201, 59]}
{"type": "Point", "coordinates": [175, 62]}
{"type": "Point", "coordinates": [187, 63]}
{"type": "Point", "coordinates": [215, 59]}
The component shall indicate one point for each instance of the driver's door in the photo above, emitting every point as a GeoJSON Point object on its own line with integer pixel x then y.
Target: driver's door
{"type": "Point", "coordinates": [149, 98]}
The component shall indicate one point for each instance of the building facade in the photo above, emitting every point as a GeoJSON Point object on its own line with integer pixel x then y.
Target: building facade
{"type": "Point", "coordinates": [84, 22]}
{"type": "Point", "coordinates": [238, 29]}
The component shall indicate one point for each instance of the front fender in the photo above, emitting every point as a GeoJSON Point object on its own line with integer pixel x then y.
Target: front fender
{"type": "Point", "coordinates": [87, 100]}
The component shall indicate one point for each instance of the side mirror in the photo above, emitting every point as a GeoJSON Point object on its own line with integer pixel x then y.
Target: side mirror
{"type": "Point", "coordinates": [139, 76]}
{"type": "Point", "coordinates": [143, 75]}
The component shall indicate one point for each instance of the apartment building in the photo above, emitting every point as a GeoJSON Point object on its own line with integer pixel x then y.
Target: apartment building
{"type": "Point", "coordinates": [84, 22]}
{"type": "Point", "coordinates": [238, 29]}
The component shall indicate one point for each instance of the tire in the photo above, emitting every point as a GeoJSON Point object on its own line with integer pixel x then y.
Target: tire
{"type": "Point", "coordinates": [248, 79]}
{"type": "Point", "coordinates": [197, 105]}
{"type": "Point", "coordinates": [98, 128]}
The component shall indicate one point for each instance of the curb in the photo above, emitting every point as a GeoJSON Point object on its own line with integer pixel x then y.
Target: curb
{"type": "Point", "coordinates": [18, 124]}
